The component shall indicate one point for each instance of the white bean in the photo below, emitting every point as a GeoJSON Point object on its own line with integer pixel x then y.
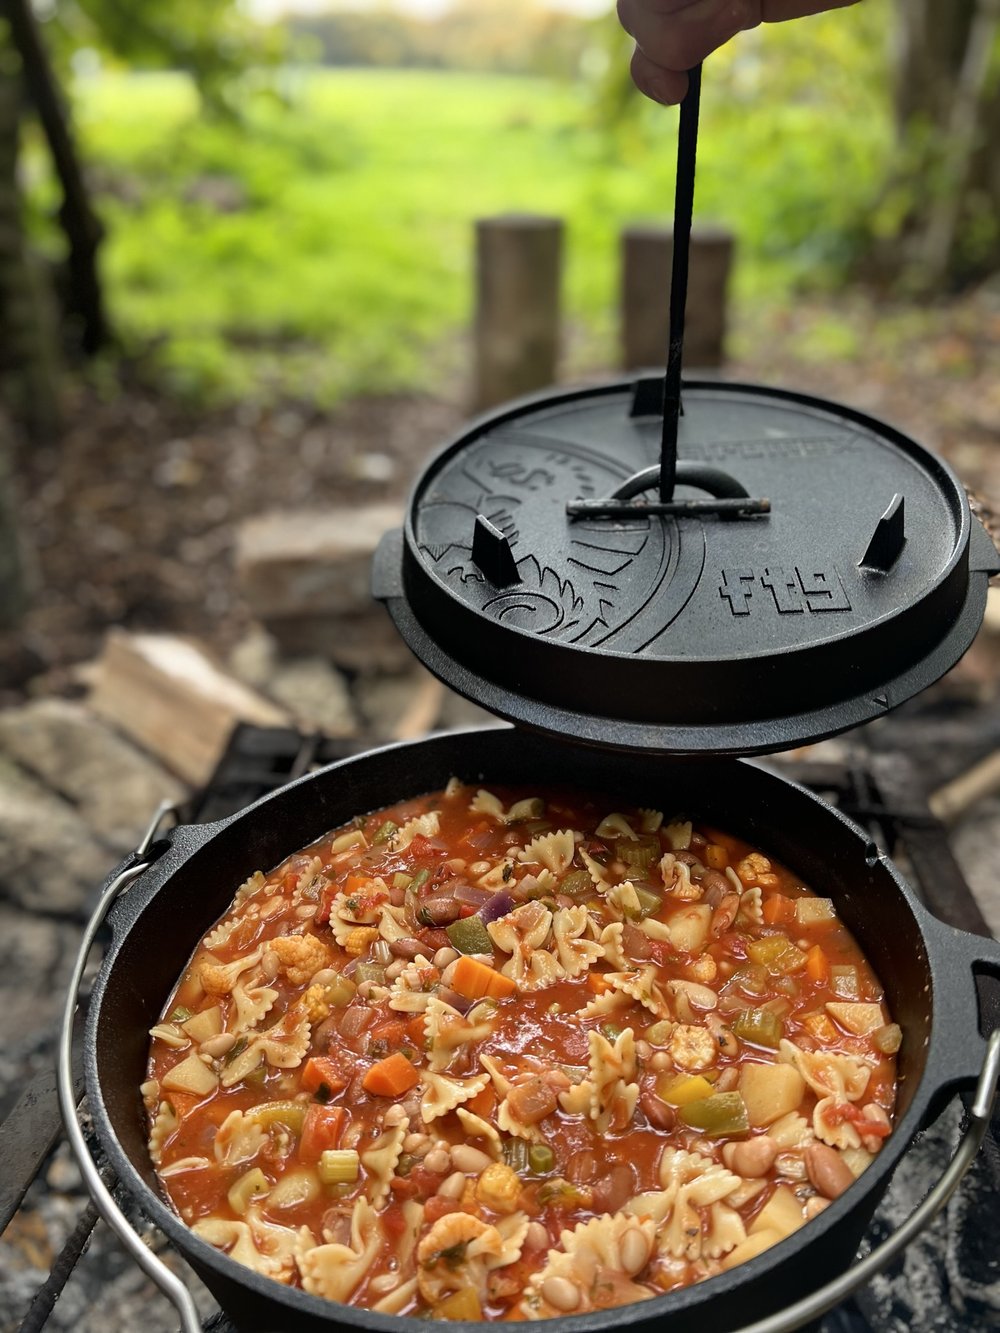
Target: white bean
{"type": "Point", "coordinates": [415, 1144]}
{"type": "Point", "coordinates": [218, 1046]}
{"type": "Point", "coordinates": [453, 1186]}
{"type": "Point", "coordinates": [536, 1237]}
{"type": "Point", "coordinates": [561, 1293]}
{"type": "Point", "coordinates": [395, 1116]}
{"type": "Point", "coordinates": [634, 1251]}
{"type": "Point", "coordinates": [470, 1159]}
{"type": "Point", "coordinates": [438, 1161]}
{"type": "Point", "coordinates": [643, 1049]}
{"type": "Point", "coordinates": [445, 956]}
{"type": "Point", "coordinates": [270, 964]}
{"type": "Point", "coordinates": [384, 1283]}
{"type": "Point", "coordinates": [395, 969]}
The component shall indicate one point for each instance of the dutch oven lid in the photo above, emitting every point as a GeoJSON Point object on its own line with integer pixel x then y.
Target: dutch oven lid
{"type": "Point", "coordinates": [832, 570]}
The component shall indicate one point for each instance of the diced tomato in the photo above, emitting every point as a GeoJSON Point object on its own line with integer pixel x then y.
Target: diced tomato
{"type": "Point", "coordinates": [484, 1103]}
{"type": "Point", "coordinates": [467, 909]}
{"type": "Point", "coordinates": [436, 1208]}
{"type": "Point", "coordinates": [403, 1188]}
{"type": "Point", "coordinates": [321, 1129]}
{"type": "Point", "coordinates": [290, 881]}
{"type": "Point", "coordinates": [393, 1224]}
{"type": "Point", "coordinates": [324, 1070]}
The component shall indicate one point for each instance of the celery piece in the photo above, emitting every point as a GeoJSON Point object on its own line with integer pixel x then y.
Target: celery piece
{"type": "Point", "coordinates": [844, 982]}
{"type": "Point", "coordinates": [256, 1076]}
{"type": "Point", "coordinates": [483, 1010]}
{"type": "Point", "coordinates": [612, 1030]}
{"type": "Point", "coordinates": [541, 1158]}
{"type": "Point", "coordinates": [401, 880]}
{"type": "Point", "coordinates": [385, 832]}
{"type": "Point", "coordinates": [241, 1044]}
{"type": "Point", "coordinates": [577, 884]}
{"type": "Point", "coordinates": [515, 1154]}
{"type": "Point", "coordinates": [374, 972]}
{"type": "Point", "coordinates": [419, 880]}
{"type": "Point", "coordinates": [461, 1304]}
{"type": "Point", "coordinates": [339, 1166]}
{"type": "Point", "coordinates": [723, 1114]}
{"type": "Point", "coordinates": [560, 1192]}
{"type": "Point", "coordinates": [638, 854]}
{"type": "Point", "coordinates": [247, 1190]}
{"type": "Point", "coordinates": [649, 902]}
{"type": "Point", "coordinates": [751, 977]}
{"type": "Point", "coordinates": [760, 1027]}
{"type": "Point", "coordinates": [469, 935]}
{"type": "Point", "coordinates": [340, 992]}
{"type": "Point", "coordinates": [290, 1114]}
{"type": "Point", "coordinates": [181, 1014]}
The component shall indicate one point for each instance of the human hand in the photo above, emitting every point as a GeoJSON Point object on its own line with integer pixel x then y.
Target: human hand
{"type": "Point", "coordinates": [671, 36]}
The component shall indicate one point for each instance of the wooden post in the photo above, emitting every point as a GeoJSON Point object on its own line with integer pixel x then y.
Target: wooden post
{"type": "Point", "coordinates": [518, 269]}
{"type": "Point", "coordinates": [645, 295]}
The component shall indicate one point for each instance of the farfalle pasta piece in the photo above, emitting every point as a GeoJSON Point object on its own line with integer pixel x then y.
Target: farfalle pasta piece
{"type": "Point", "coordinates": [679, 834]}
{"type": "Point", "coordinates": [528, 807]}
{"type": "Point", "coordinates": [511, 1123]}
{"type": "Point", "coordinates": [249, 888]}
{"type": "Point", "coordinates": [651, 819]}
{"type": "Point", "coordinates": [238, 1139]}
{"type": "Point", "coordinates": [498, 875]}
{"type": "Point", "coordinates": [724, 1232]}
{"type": "Point", "coordinates": [183, 1165]}
{"type": "Point", "coordinates": [752, 905]}
{"type": "Point", "coordinates": [609, 1002]}
{"type": "Point", "coordinates": [457, 1254]}
{"type": "Point", "coordinates": [263, 1246]}
{"type": "Point", "coordinates": [695, 1182]}
{"type": "Point", "coordinates": [478, 1128]}
{"type": "Point", "coordinates": [392, 924]}
{"type": "Point", "coordinates": [396, 1301]}
{"type": "Point", "coordinates": [498, 1078]}
{"type": "Point", "coordinates": [615, 826]}
{"type": "Point", "coordinates": [599, 1259]}
{"type": "Point", "coordinates": [623, 901]}
{"type": "Point", "coordinates": [443, 1094]}
{"type": "Point", "coordinates": [447, 1030]}
{"type": "Point", "coordinates": [611, 941]}
{"type": "Point", "coordinates": [250, 1005]}
{"type": "Point", "coordinates": [363, 907]}
{"type": "Point", "coordinates": [335, 1271]}
{"type": "Point", "coordinates": [380, 1161]}
{"type": "Point", "coordinates": [643, 986]}
{"type": "Point", "coordinates": [828, 1073]}
{"type": "Point", "coordinates": [165, 1123]}
{"type": "Point", "coordinates": [613, 1095]}
{"type": "Point", "coordinates": [411, 992]}
{"type": "Point", "coordinates": [427, 826]}
{"type": "Point", "coordinates": [522, 933]}
{"type": "Point", "coordinates": [554, 851]}
{"type": "Point", "coordinates": [791, 1131]}
{"type": "Point", "coordinates": [833, 1128]}
{"type": "Point", "coordinates": [220, 978]}
{"type": "Point", "coordinates": [573, 950]}
{"type": "Point", "coordinates": [223, 932]}
{"type": "Point", "coordinates": [597, 872]}
{"type": "Point", "coordinates": [171, 1035]}
{"type": "Point", "coordinates": [485, 803]}
{"type": "Point", "coordinates": [282, 1046]}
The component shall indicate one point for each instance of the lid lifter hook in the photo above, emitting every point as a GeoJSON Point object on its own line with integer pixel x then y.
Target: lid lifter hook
{"type": "Point", "coordinates": [888, 539]}
{"type": "Point", "coordinates": [653, 396]}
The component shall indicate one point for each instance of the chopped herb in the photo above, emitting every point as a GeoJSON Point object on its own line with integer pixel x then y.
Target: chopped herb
{"type": "Point", "coordinates": [181, 1014]}
{"type": "Point", "coordinates": [386, 833]}
{"type": "Point", "coordinates": [508, 872]}
{"type": "Point", "coordinates": [323, 1093]}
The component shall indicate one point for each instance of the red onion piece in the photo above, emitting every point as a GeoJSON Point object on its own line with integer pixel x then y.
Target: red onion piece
{"type": "Point", "coordinates": [456, 1001]}
{"type": "Point", "coordinates": [499, 905]}
{"type": "Point", "coordinates": [468, 893]}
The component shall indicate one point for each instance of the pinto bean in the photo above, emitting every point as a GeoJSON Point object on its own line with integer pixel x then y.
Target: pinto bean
{"type": "Point", "coordinates": [636, 942]}
{"type": "Point", "coordinates": [439, 911]}
{"type": "Point", "coordinates": [615, 1189]}
{"type": "Point", "coordinates": [406, 948]}
{"type": "Point", "coordinates": [753, 1158]}
{"type": "Point", "coordinates": [827, 1170]}
{"type": "Point", "coordinates": [657, 1112]}
{"type": "Point", "coordinates": [716, 886]}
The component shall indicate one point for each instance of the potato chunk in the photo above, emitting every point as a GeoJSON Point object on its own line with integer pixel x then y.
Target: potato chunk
{"type": "Point", "coordinates": [770, 1091]}
{"type": "Point", "coordinates": [191, 1075]}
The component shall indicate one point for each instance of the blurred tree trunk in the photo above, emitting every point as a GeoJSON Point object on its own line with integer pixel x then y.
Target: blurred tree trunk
{"type": "Point", "coordinates": [947, 102]}
{"type": "Point", "coordinates": [82, 299]}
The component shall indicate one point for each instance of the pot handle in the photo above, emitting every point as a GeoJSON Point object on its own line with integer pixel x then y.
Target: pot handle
{"type": "Point", "coordinates": [169, 1283]}
{"type": "Point", "coordinates": [824, 1300]}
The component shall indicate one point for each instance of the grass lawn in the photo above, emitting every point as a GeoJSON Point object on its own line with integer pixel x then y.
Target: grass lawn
{"type": "Point", "coordinates": [323, 246]}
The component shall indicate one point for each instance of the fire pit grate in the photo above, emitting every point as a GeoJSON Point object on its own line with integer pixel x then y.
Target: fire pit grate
{"type": "Point", "coordinates": [944, 1282]}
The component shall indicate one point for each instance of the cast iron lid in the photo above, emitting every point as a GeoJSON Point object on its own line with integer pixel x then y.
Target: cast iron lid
{"type": "Point", "coordinates": [840, 573]}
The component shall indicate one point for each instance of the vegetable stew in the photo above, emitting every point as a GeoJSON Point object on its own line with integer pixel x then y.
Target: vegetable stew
{"type": "Point", "coordinates": [496, 1054]}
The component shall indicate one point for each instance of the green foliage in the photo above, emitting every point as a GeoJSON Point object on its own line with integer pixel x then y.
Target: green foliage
{"type": "Point", "coordinates": [323, 245]}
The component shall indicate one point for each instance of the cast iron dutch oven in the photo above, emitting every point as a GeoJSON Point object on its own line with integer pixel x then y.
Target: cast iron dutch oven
{"type": "Point", "coordinates": [928, 971]}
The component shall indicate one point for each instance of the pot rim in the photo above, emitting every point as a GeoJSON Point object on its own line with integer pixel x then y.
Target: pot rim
{"type": "Point", "coordinates": [127, 916]}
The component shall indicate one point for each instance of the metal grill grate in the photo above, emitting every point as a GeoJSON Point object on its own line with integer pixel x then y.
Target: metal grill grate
{"type": "Point", "coordinates": [886, 797]}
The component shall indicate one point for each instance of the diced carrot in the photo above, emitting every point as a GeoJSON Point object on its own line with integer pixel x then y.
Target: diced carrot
{"type": "Point", "coordinates": [183, 1102]}
{"type": "Point", "coordinates": [321, 1129]}
{"type": "Point", "coordinates": [476, 980]}
{"type": "Point", "coordinates": [416, 1031]}
{"type": "Point", "coordinates": [777, 909]}
{"type": "Point", "coordinates": [596, 982]}
{"type": "Point", "coordinates": [817, 965]}
{"type": "Point", "coordinates": [320, 1070]}
{"type": "Point", "coordinates": [355, 883]}
{"type": "Point", "coordinates": [391, 1077]}
{"type": "Point", "coordinates": [484, 1103]}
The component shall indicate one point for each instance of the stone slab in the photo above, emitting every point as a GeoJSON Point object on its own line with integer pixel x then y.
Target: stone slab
{"type": "Point", "coordinates": [114, 787]}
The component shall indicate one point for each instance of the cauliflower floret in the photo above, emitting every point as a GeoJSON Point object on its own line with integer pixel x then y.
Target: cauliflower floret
{"type": "Point", "coordinates": [692, 1047]}
{"type": "Point", "coordinates": [301, 956]}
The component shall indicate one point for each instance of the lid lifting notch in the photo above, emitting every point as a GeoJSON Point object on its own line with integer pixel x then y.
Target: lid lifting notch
{"type": "Point", "coordinates": [730, 500]}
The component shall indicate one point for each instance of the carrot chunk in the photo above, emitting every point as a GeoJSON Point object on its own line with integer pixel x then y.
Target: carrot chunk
{"type": "Point", "coordinates": [321, 1129]}
{"type": "Point", "coordinates": [777, 909]}
{"type": "Point", "coordinates": [391, 1077]}
{"type": "Point", "coordinates": [817, 965]}
{"type": "Point", "coordinates": [320, 1070]}
{"type": "Point", "coordinates": [476, 980]}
